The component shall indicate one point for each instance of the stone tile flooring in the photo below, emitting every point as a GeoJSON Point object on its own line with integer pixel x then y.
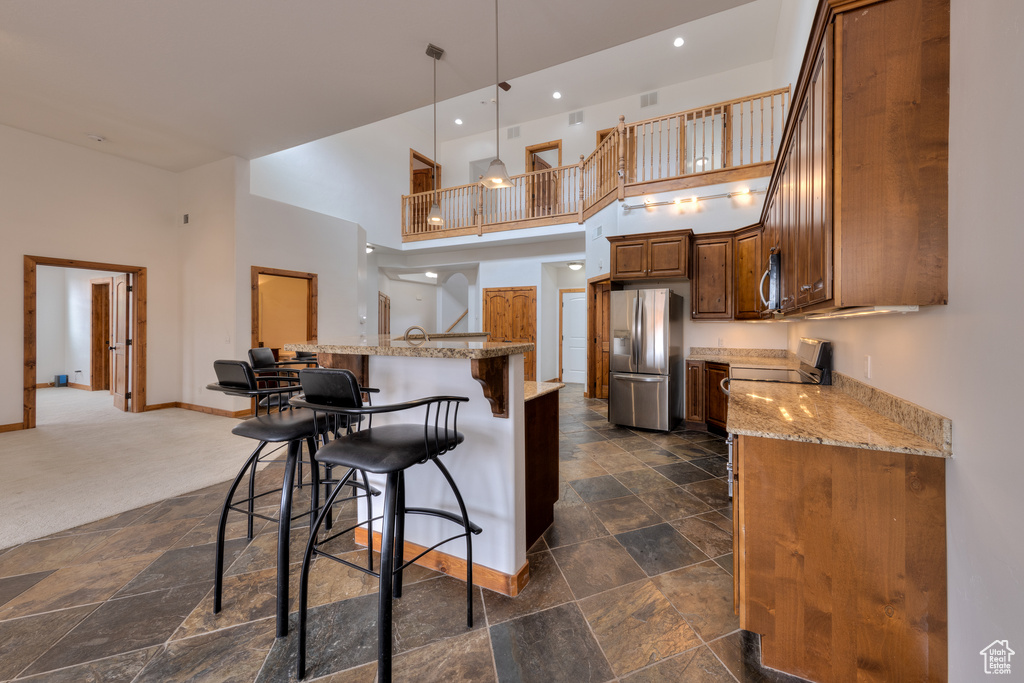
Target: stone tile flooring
{"type": "Point", "coordinates": [632, 583]}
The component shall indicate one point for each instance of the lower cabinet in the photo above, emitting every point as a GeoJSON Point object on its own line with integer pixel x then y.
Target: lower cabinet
{"type": "Point", "coordinates": [694, 393]}
{"type": "Point", "coordinates": [840, 559]}
{"type": "Point", "coordinates": [541, 421]}
{"type": "Point", "coordinates": [716, 403]}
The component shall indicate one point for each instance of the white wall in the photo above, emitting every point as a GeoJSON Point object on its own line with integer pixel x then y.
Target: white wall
{"type": "Point", "coordinates": [959, 360]}
{"type": "Point", "coordinates": [69, 202]}
{"type": "Point", "coordinates": [51, 323]}
{"type": "Point", "coordinates": [792, 32]}
{"type": "Point", "coordinates": [412, 303]}
{"type": "Point", "coordinates": [453, 301]}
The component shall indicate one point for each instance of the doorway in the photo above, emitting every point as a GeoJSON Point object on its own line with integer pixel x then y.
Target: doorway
{"type": "Point", "coordinates": [383, 314]}
{"type": "Point", "coordinates": [572, 333]}
{"type": "Point", "coordinates": [423, 173]}
{"type": "Point", "coordinates": [284, 307]}
{"type": "Point", "coordinates": [128, 313]}
{"type": "Point", "coordinates": [510, 314]}
{"type": "Point", "coordinates": [540, 160]}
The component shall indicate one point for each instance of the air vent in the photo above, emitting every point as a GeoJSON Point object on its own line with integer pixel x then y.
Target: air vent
{"type": "Point", "coordinates": [598, 231]}
{"type": "Point", "coordinates": [649, 99]}
{"type": "Point", "coordinates": [576, 118]}
{"type": "Point", "coordinates": [513, 132]}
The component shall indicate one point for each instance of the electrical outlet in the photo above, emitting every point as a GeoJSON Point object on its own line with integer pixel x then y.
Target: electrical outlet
{"type": "Point", "coordinates": [867, 367]}
{"type": "Point", "coordinates": [721, 342]}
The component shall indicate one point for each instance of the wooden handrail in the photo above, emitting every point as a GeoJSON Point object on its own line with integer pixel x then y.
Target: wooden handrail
{"type": "Point", "coordinates": [457, 321]}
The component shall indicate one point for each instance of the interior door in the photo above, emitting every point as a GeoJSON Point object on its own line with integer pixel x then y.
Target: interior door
{"type": "Point", "coordinates": [120, 347]}
{"type": "Point", "coordinates": [542, 188]}
{"type": "Point", "coordinates": [598, 338]}
{"type": "Point", "coordinates": [574, 337]}
{"type": "Point", "coordinates": [510, 314]}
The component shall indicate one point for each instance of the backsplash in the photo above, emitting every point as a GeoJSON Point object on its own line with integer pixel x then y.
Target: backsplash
{"type": "Point", "coordinates": [726, 351]}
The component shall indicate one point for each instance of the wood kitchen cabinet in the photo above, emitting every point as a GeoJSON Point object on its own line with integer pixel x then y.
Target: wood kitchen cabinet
{"type": "Point", "coordinates": [872, 606]}
{"type": "Point", "coordinates": [747, 267]}
{"type": "Point", "coordinates": [655, 255]}
{"type": "Point", "coordinates": [711, 280]}
{"type": "Point", "coordinates": [857, 204]}
{"type": "Point", "coordinates": [694, 393]}
{"type": "Point", "coordinates": [716, 403]}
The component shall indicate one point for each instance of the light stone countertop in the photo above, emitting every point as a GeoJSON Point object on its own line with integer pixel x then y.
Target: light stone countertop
{"type": "Point", "coordinates": [533, 390]}
{"type": "Point", "coordinates": [816, 414]}
{"type": "Point", "coordinates": [386, 346]}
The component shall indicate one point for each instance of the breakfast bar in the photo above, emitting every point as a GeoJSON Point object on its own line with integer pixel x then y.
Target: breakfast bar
{"type": "Point", "coordinates": [489, 466]}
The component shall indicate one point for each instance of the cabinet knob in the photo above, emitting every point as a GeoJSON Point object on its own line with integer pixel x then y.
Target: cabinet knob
{"type": "Point", "coordinates": [804, 288]}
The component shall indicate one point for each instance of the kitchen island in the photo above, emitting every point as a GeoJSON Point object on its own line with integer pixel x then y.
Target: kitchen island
{"type": "Point", "coordinates": [489, 467]}
{"type": "Point", "coordinates": [840, 530]}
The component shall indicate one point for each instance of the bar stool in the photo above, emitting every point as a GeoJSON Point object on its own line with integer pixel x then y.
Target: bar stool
{"type": "Point", "coordinates": [293, 427]}
{"type": "Point", "coordinates": [390, 450]}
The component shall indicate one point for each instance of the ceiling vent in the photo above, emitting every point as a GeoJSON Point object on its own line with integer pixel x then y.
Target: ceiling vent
{"type": "Point", "coordinates": [576, 118]}
{"type": "Point", "coordinates": [649, 99]}
{"type": "Point", "coordinates": [513, 132]}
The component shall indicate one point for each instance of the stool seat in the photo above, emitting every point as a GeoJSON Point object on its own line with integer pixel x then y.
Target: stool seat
{"type": "Point", "coordinates": [388, 448]}
{"type": "Point", "coordinates": [280, 427]}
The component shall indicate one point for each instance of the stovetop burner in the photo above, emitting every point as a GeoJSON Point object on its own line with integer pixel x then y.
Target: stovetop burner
{"type": "Point", "coordinates": [815, 367]}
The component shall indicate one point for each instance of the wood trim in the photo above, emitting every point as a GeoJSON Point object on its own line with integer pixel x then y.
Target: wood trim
{"type": "Point", "coordinates": [722, 175]}
{"type": "Point", "coordinates": [492, 374]}
{"type": "Point", "coordinates": [99, 351]}
{"type": "Point", "coordinates": [423, 158]}
{"type": "Point", "coordinates": [484, 577]}
{"type": "Point", "coordinates": [44, 385]}
{"type": "Point", "coordinates": [543, 147]}
{"type": "Point", "coordinates": [560, 219]}
{"type": "Point", "coordinates": [357, 364]}
{"type": "Point", "coordinates": [163, 406]}
{"type": "Point", "coordinates": [84, 387]}
{"type": "Point", "coordinates": [601, 135]}
{"type": "Point", "coordinates": [209, 411]}
{"type": "Point", "coordinates": [312, 299]}
{"type": "Point", "coordinates": [137, 334]}
{"type": "Point", "coordinates": [13, 427]}
{"type": "Point", "coordinates": [561, 293]}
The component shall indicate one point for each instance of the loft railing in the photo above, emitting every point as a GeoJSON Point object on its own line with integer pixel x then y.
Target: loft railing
{"type": "Point", "coordinates": [725, 141]}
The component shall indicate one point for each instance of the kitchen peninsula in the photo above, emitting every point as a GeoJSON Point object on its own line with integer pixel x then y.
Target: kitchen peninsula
{"type": "Point", "coordinates": [489, 466]}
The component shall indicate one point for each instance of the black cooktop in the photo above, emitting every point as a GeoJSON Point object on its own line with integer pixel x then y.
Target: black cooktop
{"type": "Point", "coordinates": [770, 375]}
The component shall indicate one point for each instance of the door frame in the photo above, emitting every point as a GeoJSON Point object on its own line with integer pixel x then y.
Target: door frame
{"type": "Point", "coordinates": [311, 300]}
{"type": "Point", "coordinates": [561, 316]}
{"type": "Point", "coordinates": [415, 156]}
{"type": "Point", "coordinates": [532, 289]}
{"type": "Point", "coordinates": [137, 327]}
{"type": "Point", "coordinates": [543, 147]}
{"type": "Point", "coordinates": [99, 353]}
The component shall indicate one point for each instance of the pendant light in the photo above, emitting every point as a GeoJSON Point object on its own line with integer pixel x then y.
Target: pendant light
{"type": "Point", "coordinates": [496, 175]}
{"type": "Point", "coordinates": [434, 218]}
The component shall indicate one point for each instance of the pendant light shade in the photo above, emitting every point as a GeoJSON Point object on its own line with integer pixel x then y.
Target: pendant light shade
{"type": "Point", "coordinates": [435, 218]}
{"type": "Point", "coordinates": [496, 175]}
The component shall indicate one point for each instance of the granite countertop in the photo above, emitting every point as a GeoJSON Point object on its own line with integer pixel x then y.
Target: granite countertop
{"type": "Point", "coordinates": [832, 415]}
{"type": "Point", "coordinates": [534, 389]}
{"type": "Point", "coordinates": [386, 346]}
{"type": "Point", "coordinates": [755, 358]}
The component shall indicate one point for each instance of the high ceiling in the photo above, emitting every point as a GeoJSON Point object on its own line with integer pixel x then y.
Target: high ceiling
{"type": "Point", "coordinates": [180, 83]}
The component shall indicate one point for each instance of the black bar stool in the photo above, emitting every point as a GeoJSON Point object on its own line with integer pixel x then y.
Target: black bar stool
{"type": "Point", "coordinates": [389, 450]}
{"type": "Point", "coordinates": [292, 427]}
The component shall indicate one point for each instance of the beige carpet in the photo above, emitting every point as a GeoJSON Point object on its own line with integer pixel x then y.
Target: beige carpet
{"type": "Point", "coordinates": [87, 460]}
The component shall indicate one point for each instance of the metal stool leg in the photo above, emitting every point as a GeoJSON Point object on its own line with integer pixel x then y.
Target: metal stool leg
{"type": "Point", "coordinates": [399, 534]}
{"type": "Point", "coordinates": [218, 581]}
{"type": "Point", "coordinates": [284, 537]}
{"type": "Point", "coordinates": [384, 597]}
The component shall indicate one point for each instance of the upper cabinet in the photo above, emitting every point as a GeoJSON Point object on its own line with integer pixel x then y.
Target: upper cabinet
{"type": "Point", "coordinates": [711, 283]}
{"type": "Point", "coordinates": [747, 269]}
{"type": "Point", "coordinates": [650, 255]}
{"type": "Point", "coordinates": [857, 204]}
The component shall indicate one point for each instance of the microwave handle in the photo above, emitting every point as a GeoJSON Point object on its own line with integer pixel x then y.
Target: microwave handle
{"type": "Point", "coordinates": [760, 287]}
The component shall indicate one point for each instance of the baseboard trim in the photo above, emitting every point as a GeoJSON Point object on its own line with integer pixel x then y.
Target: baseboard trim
{"type": "Point", "coordinates": [17, 426]}
{"type": "Point", "coordinates": [162, 406]}
{"type": "Point", "coordinates": [485, 577]}
{"type": "Point", "coordinates": [44, 385]}
{"type": "Point", "coordinates": [211, 411]}
{"type": "Point", "coordinates": [86, 387]}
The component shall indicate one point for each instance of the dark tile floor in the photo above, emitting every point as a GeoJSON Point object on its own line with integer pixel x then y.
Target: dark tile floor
{"type": "Point", "coordinates": [632, 583]}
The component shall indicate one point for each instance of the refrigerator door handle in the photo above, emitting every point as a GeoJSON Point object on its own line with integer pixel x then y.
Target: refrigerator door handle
{"type": "Point", "coordinates": [640, 378]}
{"type": "Point", "coordinates": [634, 334]}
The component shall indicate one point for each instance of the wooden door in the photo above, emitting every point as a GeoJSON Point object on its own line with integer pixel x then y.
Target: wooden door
{"type": "Point", "coordinates": [121, 342]}
{"type": "Point", "coordinates": [598, 334]}
{"type": "Point", "coordinates": [716, 403]}
{"type": "Point", "coordinates": [510, 314]}
{"type": "Point", "coordinates": [100, 336]}
{"type": "Point", "coordinates": [383, 314]}
{"type": "Point", "coordinates": [816, 252]}
{"type": "Point", "coordinates": [542, 188]}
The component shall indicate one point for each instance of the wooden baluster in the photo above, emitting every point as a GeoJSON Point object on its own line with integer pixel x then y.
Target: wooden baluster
{"type": "Point", "coordinates": [751, 131]}
{"type": "Point", "coordinates": [480, 208]}
{"type": "Point", "coordinates": [772, 150]}
{"type": "Point", "coordinates": [704, 137]}
{"type": "Point", "coordinates": [661, 142]}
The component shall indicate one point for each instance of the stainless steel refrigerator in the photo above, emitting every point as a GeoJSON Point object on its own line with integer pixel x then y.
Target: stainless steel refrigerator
{"type": "Point", "coordinates": [647, 359]}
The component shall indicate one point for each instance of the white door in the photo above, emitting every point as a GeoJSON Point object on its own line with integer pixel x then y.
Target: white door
{"type": "Point", "coordinates": [574, 337]}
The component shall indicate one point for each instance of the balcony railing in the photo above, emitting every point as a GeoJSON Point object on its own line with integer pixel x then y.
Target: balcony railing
{"type": "Point", "coordinates": [726, 141]}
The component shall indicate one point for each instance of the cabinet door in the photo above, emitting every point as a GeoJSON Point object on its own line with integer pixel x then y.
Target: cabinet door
{"type": "Point", "coordinates": [694, 391]}
{"type": "Point", "coordinates": [817, 251]}
{"type": "Point", "coordinates": [716, 403]}
{"type": "Point", "coordinates": [711, 281]}
{"type": "Point", "coordinates": [629, 259]}
{"type": "Point", "coordinates": [747, 266]}
{"type": "Point", "coordinates": [667, 256]}
{"type": "Point", "coordinates": [788, 228]}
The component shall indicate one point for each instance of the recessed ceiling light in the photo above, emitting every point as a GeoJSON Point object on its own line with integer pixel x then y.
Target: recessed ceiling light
{"type": "Point", "coordinates": [429, 274]}
{"type": "Point", "coordinates": [458, 122]}
{"type": "Point", "coordinates": [369, 248]}
{"type": "Point", "coordinates": [678, 42]}
{"type": "Point", "coordinates": [557, 95]}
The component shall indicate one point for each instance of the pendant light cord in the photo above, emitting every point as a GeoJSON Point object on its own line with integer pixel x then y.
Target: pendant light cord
{"type": "Point", "coordinates": [497, 137]}
{"type": "Point", "coordinates": [433, 171]}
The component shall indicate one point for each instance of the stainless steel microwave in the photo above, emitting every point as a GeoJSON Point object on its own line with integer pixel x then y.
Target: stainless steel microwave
{"type": "Point", "coordinates": [771, 296]}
